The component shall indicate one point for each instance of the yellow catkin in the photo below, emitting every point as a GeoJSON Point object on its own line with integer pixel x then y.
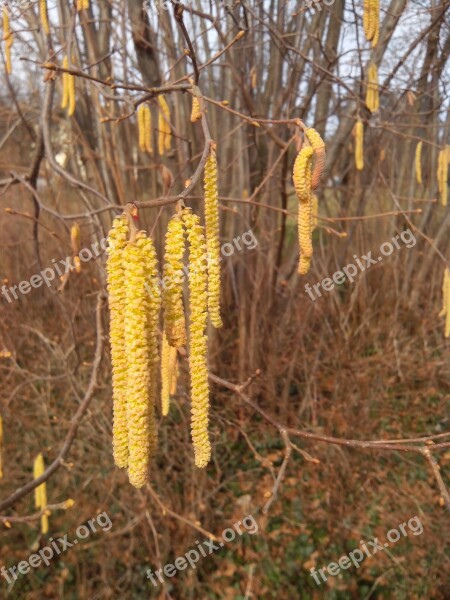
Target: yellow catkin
{"type": "Point", "coordinates": [75, 238]}
{"type": "Point", "coordinates": [196, 113]}
{"type": "Point", "coordinates": [359, 145]}
{"type": "Point", "coordinates": [198, 366]}
{"type": "Point", "coordinates": [1, 446]}
{"type": "Point", "coordinates": [319, 156]}
{"type": "Point", "coordinates": [148, 130]}
{"type": "Point", "coordinates": [372, 97]}
{"type": "Point", "coordinates": [173, 371]}
{"type": "Point", "coordinates": [445, 312]}
{"type": "Point", "coordinates": [40, 492]}
{"type": "Point", "coordinates": [212, 238]}
{"type": "Point", "coordinates": [442, 175]}
{"type": "Point", "coordinates": [8, 38]}
{"type": "Point", "coordinates": [115, 266]}
{"type": "Point", "coordinates": [174, 321]}
{"type": "Point", "coordinates": [418, 162]}
{"type": "Point", "coordinates": [371, 21]}
{"type": "Point", "coordinates": [82, 5]}
{"type": "Point", "coordinates": [141, 127]}
{"type": "Point", "coordinates": [44, 16]}
{"type": "Point", "coordinates": [305, 235]}
{"type": "Point", "coordinates": [72, 94]}
{"type": "Point", "coordinates": [65, 82]}
{"type": "Point", "coordinates": [302, 173]}
{"type": "Point", "coordinates": [164, 134]}
{"type": "Point", "coordinates": [139, 407]}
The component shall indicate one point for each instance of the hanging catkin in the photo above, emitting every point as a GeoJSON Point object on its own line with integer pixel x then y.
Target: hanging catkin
{"type": "Point", "coordinates": [65, 82]}
{"type": "Point", "coordinates": [75, 243]}
{"type": "Point", "coordinates": [212, 238]}
{"type": "Point", "coordinates": [319, 155]}
{"type": "Point", "coordinates": [418, 161]}
{"type": "Point", "coordinates": [359, 145]}
{"type": "Point", "coordinates": [145, 129]}
{"type": "Point", "coordinates": [82, 5]}
{"type": "Point", "coordinates": [197, 339]}
{"type": "Point", "coordinates": [117, 299]}
{"type": "Point", "coordinates": [302, 177]}
{"type": "Point", "coordinates": [1, 446]}
{"type": "Point", "coordinates": [196, 113]}
{"type": "Point", "coordinates": [72, 95]}
{"type": "Point", "coordinates": [442, 174]}
{"type": "Point", "coordinates": [445, 312]}
{"type": "Point", "coordinates": [40, 492]}
{"type": "Point", "coordinates": [371, 21]}
{"type": "Point", "coordinates": [372, 97]}
{"type": "Point", "coordinates": [8, 38]}
{"type": "Point", "coordinates": [140, 343]}
{"type": "Point", "coordinates": [164, 134]}
{"type": "Point", "coordinates": [174, 321]}
{"type": "Point", "coordinates": [302, 174]}
{"type": "Point", "coordinates": [44, 16]}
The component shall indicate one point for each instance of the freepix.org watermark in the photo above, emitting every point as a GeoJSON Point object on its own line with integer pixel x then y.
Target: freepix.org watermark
{"type": "Point", "coordinates": [350, 271]}
{"type": "Point", "coordinates": [203, 549]}
{"type": "Point", "coordinates": [356, 557]}
{"type": "Point", "coordinates": [60, 268]}
{"type": "Point", "coordinates": [56, 547]}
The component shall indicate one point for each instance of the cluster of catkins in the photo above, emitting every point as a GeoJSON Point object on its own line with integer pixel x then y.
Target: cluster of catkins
{"type": "Point", "coordinates": [135, 299]}
{"type": "Point", "coordinates": [371, 21]}
{"type": "Point", "coordinates": [144, 119]}
{"type": "Point", "coordinates": [308, 169]}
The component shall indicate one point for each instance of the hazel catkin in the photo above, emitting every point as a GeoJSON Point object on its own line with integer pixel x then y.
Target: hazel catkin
{"type": "Point", "coordinates": [372, 97]}
{"type": "Point", "coordinates": [359, 145]}
{"type": "Point", "coordinates": [196, 113]}
{"type": "Point", "coordinates": [8, 38]}
{"type": "Point", "coordinates": [418, 162]}
{"type": "Point", "coordinates": [115, 267]}
{"type": "Point", "coordinates": [174, 321]}
{"type": "Point", "coordinates": [168, 373]}
{"type": "Point", "coordinates": [442, 174]}
{"type": "Point", "coordinates": [40, 492]}
{"type": "Point", "coordinates": [164, 133]}
{"type": "Point", "coordinates": [198, 367]}
{"type": "Point", "coordinates": [302, 174]}
{"type": "Point", "coordinates": [1, 446]}
{"type": "Point", "coordinates": [445, 312]}
{"type": "Point", "coordinates": [44, 16]}
{"type": "Point", "coordinates": [139, 404]}
{"type": "Point", "coordinates": [318, 146]}
{"type": "Point", "coordinates": [212, 238]}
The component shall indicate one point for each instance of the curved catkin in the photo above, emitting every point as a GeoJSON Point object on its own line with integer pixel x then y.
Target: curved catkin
{"type": "Point", "coordinates": [359, 145]}
{"type": "Point", "coordinates": [40, 492]}
{"type": "Point", "coordinates": [196, 113]}
{"type": "Point", "coordinates": [141, 127]}
{"type": "Point", "coordinates": [44, 16]}
{"type": "Point", "coordinates": [302, 174]}
{"type": "Point", "coordinates": [212, 238]}
{"type": "Point", "coordinates": [138, 368]}
{"type": "Point", "coordinates": [115, 267]}
{"type": "Point", "coordinates": [164, 135]}
{"type": "Point", "coordinates": [197, 339]}
{"type": "Point", "coordinates": [8, 38]}
{"type": "Point", "coordinates": [418, 162]}
{"type": "Point", "coordinates": [372, 97]}
{"type": "Point", "coordinates": [318, 145]}
{"type": "Point", "coordinates": [174, 321]}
